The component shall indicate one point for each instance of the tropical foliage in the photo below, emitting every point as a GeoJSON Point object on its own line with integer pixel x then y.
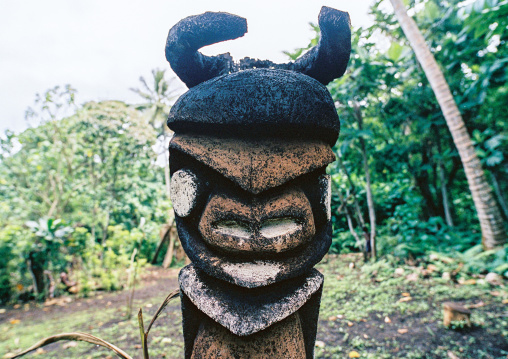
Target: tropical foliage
{"type": "Point", "coordinates": [392, 122]}
{"type": "Point", "coordinates": [83, 191]}
{"type": "Point", "coordinates": [79, 192]}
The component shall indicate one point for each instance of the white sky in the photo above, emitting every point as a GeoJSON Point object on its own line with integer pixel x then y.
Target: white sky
{"type": "Point", "coordinates": [102, 47]}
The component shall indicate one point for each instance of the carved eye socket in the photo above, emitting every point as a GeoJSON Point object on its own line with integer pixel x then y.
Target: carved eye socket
{"type": "Point", "coordinates": [184, 192]}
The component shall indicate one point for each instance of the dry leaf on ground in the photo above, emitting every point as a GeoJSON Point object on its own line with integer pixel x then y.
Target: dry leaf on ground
{"type": "Point", "coordinates": [320, 344]}
{"type": "Point", "coordinates": [71, 344]}
{"type": "Point", "coordinates": [413, 277]}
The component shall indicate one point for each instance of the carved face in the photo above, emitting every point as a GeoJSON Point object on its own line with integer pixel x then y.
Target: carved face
{"type": "Point", "coordinates": [251, 211]}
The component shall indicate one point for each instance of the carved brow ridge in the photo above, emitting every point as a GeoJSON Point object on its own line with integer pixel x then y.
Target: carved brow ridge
{"type": "Point", "coordinates": [256, 165]}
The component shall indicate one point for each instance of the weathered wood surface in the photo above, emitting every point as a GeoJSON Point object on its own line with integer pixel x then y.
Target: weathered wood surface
{"type": "Point", "coordinates": [282, 340]}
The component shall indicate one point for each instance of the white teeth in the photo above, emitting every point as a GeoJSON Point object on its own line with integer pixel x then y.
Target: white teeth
{"type": "Point", "coordinates": [233, 228]}
{"type": "Point", "coordinates": [271, 228]}
{"type": "Point", "coordinates": [278, 227]}
{"type": "Point", "coordinates": [325, 182]}
{"type": "Point", "coordinates": [184, 192]}
{"type": "Point", "coordinates": [258, 272]}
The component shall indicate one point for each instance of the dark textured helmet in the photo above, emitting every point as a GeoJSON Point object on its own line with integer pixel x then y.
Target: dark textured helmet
{"type": "Point", "coordinates": [258, 102]}
{"type": "Point", "coordinates": [256, 96]}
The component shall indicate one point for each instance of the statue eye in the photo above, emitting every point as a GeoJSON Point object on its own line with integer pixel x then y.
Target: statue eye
{"type": "Point", "coordinates": [184, 192]}
{"type": "Point", "coordinates": [325, 184]}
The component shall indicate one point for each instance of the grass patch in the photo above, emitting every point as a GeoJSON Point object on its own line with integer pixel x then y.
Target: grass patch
{"type": "Point", "coordinates": [364, 309]}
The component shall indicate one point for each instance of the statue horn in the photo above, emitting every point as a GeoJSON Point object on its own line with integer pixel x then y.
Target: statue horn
{"type": "Point", "coordinates": [328, 60]}
{"type": "Point", "coordinates": [194, 32]}
{"type": "Point", "coordinates": [325, 62]}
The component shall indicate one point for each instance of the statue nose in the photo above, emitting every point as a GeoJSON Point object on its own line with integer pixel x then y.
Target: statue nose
{"type": "Point", "coordinates": [265, 226]}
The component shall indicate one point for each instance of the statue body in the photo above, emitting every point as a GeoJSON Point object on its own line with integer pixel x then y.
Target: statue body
{"type": "Point", "coordinates": [250, 190]}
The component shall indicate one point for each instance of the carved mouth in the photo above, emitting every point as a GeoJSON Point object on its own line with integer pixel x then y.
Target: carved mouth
{"type": "Point", "coordinates": [271, 226]}
{"type": "Point", "coordinates": [274, 233]}
{"type": "Point", "coordinates": [277, 227]}
{"type": "Point", "coordinates": [233, 228]}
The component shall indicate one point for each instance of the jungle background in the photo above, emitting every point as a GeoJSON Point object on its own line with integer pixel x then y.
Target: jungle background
{"type": "Point", "coordinates": [86, 221]}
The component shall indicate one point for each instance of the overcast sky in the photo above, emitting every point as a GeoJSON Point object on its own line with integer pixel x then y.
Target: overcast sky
{"type": "Point", "coordinates": [102, 47]}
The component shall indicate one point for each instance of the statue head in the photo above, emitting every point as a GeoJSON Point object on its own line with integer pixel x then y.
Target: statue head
{"type": "Point", "coordinates": [251, 145]}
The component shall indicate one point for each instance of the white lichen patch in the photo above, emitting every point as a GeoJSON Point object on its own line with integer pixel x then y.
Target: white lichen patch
{"type": "Point", "coordinates": [258, 273]}
{"type": "Point", "coordinates": [325, 182]}
{"type": "Point", "coordinates": [184, 192]}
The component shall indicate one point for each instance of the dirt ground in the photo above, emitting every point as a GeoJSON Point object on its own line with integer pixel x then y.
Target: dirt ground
{"type": "Point", "coordinates": [155, 282]}
{"type": "Point", "coordinates": [350, 324]}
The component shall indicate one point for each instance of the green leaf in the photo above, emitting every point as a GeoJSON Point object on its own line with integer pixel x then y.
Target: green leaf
{"type": "Point", "coordinates": [431, 11]}
{"type": "Point", "coordinates": [494, 159]}
{"type": "Point", "coordinates": [479, 5]}
{"type": "Point", "coordinates": [494, 142]}
{"type": "Point", "coordinates": [395, 51]}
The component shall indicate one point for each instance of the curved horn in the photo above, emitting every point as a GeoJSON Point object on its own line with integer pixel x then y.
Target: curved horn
{"type": "Point", "coordinates": [194, 32]}
{"type": "Point", "coordinates": [328, 60]}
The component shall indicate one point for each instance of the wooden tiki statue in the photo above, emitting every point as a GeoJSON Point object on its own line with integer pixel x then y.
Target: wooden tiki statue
{"type": "Point", "coordinates": [249, 188]}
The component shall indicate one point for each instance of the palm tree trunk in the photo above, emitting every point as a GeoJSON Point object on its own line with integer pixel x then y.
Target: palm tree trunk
{"type": "Point", "coordinates": [491, 221]}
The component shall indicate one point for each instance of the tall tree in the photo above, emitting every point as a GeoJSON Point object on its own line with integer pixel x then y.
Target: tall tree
{"type": "Point", "coordinates": [489, 215]}
{"type": "Point", "coordinates": [158, 103]}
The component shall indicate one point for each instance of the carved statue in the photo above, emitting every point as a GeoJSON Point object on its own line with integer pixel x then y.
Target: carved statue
{"type": "Point", "coordinates": [249, 188]}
